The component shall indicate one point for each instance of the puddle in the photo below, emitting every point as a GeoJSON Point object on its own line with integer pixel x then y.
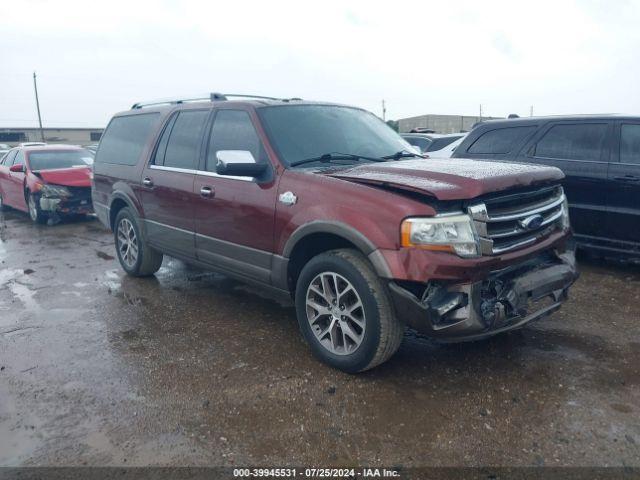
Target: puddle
{"type": "Point", "coordinates": [25, 295]}
{"type": "Point", "coordinates": [9, 274]}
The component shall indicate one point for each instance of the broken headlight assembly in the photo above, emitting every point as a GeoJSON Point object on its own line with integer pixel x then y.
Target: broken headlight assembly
{"type": "Point", "coordinates": [53, 191]}
{"type": "Point", "coordinates": [446, 233]}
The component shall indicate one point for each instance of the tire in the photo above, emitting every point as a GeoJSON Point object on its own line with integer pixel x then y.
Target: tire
{"type": "Point", "coordinates": [35, 213]}
{"type": "Point", "coordinates": [372, 344]}
{"type": "Point", "coordinates": [3, 207]}
{"type": "Point", "coordinates": [147, 261]}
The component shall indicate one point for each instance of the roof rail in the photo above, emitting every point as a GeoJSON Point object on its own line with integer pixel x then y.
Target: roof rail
{"type": "Point", "coordinates": [212, 97]}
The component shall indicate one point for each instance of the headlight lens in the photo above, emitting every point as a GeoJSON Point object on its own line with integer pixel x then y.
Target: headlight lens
{"type": "Point", "coordinates": [55, 191]}
{"type": "Point", "coordinates": [448, 233]}
{"type": "Point", "coordinates": [565, 215]}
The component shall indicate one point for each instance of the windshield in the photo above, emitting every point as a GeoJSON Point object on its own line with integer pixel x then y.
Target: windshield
{"type": "Point", "coordinates": [300, 132]}
{"type": "Point", "coordinates": [59, 159]}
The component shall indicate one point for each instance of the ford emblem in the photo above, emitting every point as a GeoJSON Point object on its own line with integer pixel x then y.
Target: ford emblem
{"type": "Point", "coordinates": [531, 223]}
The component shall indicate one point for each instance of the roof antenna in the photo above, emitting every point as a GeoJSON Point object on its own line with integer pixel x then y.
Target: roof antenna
{"type": "Point", "coordinates": [217, 97]}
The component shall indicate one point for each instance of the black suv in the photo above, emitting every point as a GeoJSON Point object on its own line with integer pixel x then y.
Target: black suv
{"type": "Point", "coordinates": [600, 156]}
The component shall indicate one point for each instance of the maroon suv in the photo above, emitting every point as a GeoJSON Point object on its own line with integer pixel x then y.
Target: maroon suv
{"type": "Point", "coordinates": [327, 203]}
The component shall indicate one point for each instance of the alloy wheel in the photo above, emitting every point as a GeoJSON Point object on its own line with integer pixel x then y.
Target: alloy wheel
{"type": "Point", "coordinates": [335, 313]}
{"type": "Point", "coordinates": [127, 243]}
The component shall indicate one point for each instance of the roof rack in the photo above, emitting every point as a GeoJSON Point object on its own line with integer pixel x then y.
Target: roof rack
{"type": "Point", "coordinates": [212, 97]}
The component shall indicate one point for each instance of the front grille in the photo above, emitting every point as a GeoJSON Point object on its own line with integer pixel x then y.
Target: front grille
{"type": "Point", "coordinates": [80, 193]}
{"type": "Point", "coordinates": [80, 197]}
{"type": "Point", "coordinates": [515, 221]}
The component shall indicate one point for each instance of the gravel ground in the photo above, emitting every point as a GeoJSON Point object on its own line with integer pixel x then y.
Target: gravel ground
{"type": "Point", "coordinates": [192, 368]}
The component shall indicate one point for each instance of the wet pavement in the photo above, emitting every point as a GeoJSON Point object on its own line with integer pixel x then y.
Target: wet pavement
{"type": "Point", "coordinates": [192, 368]}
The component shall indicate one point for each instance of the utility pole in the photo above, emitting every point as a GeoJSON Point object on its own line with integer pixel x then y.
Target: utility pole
{"type": "Point", "coordinates": [531, 111]}
{"type": "Point", "coordinates": [480, 112]}
{"type": "Point", "coordinates": [384, 111]}
{"type": "Point", "coordinates": [35, 88]}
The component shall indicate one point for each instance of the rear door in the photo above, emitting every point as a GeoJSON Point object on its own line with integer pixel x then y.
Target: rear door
{"type": "Point", "coordinates": [14, 184]}
{"type": "Point", "coordinates": [167, 183]}
{"type": "Point", "coordinates": [235, 215]}
{"type": "Point", "coordinates": [581, 150]}
{"type": "Point", "coordinates": [623, 219]}
{"type": "Point", "coordinates": [5, 178]}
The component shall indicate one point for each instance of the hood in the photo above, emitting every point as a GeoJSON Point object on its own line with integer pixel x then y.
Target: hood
{"type": "Point", "coordinates": [450, 178]}
{"type": "Point", "coordinates": [69, 177]}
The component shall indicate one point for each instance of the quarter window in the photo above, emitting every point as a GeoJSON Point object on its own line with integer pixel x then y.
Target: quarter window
{"type": "Point", "coordinates": [501, 140]}
{"type": "Point", "coordinates": [583, 141]}
{"type": "Point", "coordinates": [184, 139]}
{"type": "Point", "coordinates": [8, 159]}
{"type": "Point", "coordinates": [125, 138]}
{"type": "Point", "coordinates": [630, 144]}
{"type": "Point", "coordinates": [232, 130]}
{"type": "Point", "coordinates": [19, 158]}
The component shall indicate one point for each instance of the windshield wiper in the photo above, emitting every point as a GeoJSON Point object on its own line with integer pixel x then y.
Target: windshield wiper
{"type": "Point", "coordinates": [402, 154]}
{"type": "Point", "coordinates": [330, 157]}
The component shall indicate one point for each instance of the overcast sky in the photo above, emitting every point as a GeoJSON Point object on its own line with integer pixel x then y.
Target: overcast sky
{"type": "Point", "coordinates": [97, 58]}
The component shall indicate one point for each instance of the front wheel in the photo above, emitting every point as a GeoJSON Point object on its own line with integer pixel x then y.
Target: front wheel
{"type": "Point", "coordinates": [3, 207]}
{"type": "Point", "coordinates": [35, 212]}
{"type": "Point", "coordinates": [136, 257]}
{"type": "Point", "coordinates": [345, 313]}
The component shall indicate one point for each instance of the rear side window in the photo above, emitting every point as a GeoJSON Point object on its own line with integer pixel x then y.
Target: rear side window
{"type": "Point", "coordinates": [501, 140]}
{"type": "Point", "coordinates": [181, 140]}
{"type": "Point", "coordinates": [583, 141]}
{"type": "Point", "coordinates": [232, 130]}
{"type": "Point", "coordinates": [125, 138]}
{"type": "Point", "coordinates": [440, 143]}
{"type": "Point", "coordinates": [630, 144]}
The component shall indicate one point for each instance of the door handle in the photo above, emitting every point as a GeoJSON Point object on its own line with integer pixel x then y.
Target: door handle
{"type": "Point", "coordinates": [147, 182]}
{"type": "Point", "coordinates": [627, 178]}
{"type": "Point", "coordinates": [207, 192]}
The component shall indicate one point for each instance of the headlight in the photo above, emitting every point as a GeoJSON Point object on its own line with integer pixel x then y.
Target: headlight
{"type": "Point", "coordinates": [447, 233]}
{"type": "Point", "coordinates": [565, 215]}
{"type": "Point", "coordinates": [55, 191]}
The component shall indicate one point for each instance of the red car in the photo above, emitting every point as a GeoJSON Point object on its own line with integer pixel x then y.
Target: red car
{"type": "Point", "coordinates": [47, 181]}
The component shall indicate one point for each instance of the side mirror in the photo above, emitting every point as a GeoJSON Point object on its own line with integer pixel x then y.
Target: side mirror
{"type": "Point", "coordinates": [17, 168]}
{"type": "Point", "coordinates": [238, 163]}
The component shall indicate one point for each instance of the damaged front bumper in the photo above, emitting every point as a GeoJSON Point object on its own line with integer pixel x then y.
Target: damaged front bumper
{"type": "Point", "coordinates": [506, 299]}
{"type": "Point", "coordinates": [66, 206]}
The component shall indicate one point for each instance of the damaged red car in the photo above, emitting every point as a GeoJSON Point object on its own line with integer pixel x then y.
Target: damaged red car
{"type": "Point", "coordinates": [47, 182]}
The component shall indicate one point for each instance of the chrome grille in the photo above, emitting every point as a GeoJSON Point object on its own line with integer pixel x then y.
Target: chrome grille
{"type": "Point", "coordinates": [515, 221]}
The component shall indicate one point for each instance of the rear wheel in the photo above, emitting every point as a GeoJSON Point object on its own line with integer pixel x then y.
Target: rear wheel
{"type": "Point", "coordinates": [136, 257]}
{"type": "Point", "coordinates": [36, 214]}
{"type": "Point", "coordinates": [3, 207]}
{"type": "Point", "coordinates": [345, 313]}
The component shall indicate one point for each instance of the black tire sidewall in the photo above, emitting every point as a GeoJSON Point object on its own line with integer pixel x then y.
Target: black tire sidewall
{"type": "Point", "coordinates": [126, 213]}
{"type": "Point", "coordinates": [362, 357]}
